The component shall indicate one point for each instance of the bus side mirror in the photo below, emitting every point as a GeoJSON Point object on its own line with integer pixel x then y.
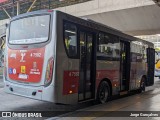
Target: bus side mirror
{"type": "Point", "coordinates": [3, 37]}
{"type": "Point", "coordinates": [2, 40]}
{"type": "Point", "coordinates": [7, 25]}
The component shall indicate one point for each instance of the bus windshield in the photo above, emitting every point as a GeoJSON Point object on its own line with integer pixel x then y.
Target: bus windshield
{"type": "Point", "coordinates": [30, 30]}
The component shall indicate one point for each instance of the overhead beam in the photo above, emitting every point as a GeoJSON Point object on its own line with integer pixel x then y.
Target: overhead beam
{"type": "Point", "coordinates": [31, 6]}
{"type": "Point", "coordinates": [157, 2]}
{"type": "Point", "coordinates": [143, 32]}
{"type": "Point", "coordinates": [6, 12]}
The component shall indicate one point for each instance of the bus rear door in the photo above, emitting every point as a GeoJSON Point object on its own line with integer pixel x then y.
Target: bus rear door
{"type": "Point", "coordinates": [151, 66]}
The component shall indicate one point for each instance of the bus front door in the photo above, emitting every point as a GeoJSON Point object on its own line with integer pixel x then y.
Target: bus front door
{"type": "Point", "coordinates": [86, 81]}
{"type": "Point", "coordinates": [151, 66]}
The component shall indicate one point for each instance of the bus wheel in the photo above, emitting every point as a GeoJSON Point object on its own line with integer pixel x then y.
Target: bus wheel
{"type": "Point", "coordinates": [103, 92]}
{"type": "Point", "coordinates": [143, 84]}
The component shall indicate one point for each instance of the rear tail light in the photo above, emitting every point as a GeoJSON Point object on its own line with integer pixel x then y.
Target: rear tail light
{"type": "Point", "coordinates": [49, 71]}
{"type": "Point", "coordinates": [50, 10]}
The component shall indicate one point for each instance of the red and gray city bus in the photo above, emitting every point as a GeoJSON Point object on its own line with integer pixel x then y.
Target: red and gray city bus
{"type": "Point", "coordinates": [56, 57]}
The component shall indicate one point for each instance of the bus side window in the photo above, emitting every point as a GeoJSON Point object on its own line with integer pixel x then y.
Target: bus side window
{"type": "Point", "coordinates": [108, 47]}
{"type": "Point", "coordinates": [70, 39]}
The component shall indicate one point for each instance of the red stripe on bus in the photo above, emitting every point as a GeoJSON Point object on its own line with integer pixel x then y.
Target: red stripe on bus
{"type": "Point", "coordinates": [70, 82]}
{"type": "Point", "coordinates": [71, 79]}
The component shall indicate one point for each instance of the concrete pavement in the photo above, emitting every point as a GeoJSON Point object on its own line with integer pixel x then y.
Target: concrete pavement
{"type": "Point", "coordinates": [148, 101]}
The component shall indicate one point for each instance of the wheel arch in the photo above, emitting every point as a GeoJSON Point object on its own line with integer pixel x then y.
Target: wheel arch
{"type": "Point", "coordinates": [143, 83]}
{"type": "Point", "coordinates": [109, 83]}
{"type": "Point", "coordinates": [145, 77]}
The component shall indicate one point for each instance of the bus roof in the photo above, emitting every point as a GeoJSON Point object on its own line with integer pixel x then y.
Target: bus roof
{"type": "Point", "coordinates": [32, 13]}
{"type": "Point", "coordinates": [89, 23]}
{"type": "Point", "coordinates": [105, 28]}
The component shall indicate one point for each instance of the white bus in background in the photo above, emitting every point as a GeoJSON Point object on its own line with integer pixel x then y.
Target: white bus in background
{"type": "Point", "coordinates": [157, 64]}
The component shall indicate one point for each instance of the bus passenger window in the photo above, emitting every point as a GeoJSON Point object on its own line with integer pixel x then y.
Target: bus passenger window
{"type": "Point", "coordinates": [108, 47]}
{"type": "Point", "coordinates": [70, 39]}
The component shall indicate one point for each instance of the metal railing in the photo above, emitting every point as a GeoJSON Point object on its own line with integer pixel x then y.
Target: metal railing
{"type": "Point", "coordinates": [39, 4]}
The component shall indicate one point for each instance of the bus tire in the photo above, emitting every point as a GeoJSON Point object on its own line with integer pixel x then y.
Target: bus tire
{"type": "Point", "coordinates": [143, 84]}
{"type": "Point", "coordinates": [103, 92]}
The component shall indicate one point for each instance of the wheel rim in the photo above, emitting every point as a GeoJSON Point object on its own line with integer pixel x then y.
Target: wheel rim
{"type": "Point", "coordinates": [103, 95]}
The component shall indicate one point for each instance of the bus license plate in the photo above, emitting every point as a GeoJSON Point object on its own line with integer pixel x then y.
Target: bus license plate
{"type": "Point", "coordinates": [23, 76]}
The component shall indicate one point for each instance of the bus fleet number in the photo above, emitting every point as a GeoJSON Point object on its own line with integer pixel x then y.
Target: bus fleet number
{"type": "Point", "coordinates": [74, 74]}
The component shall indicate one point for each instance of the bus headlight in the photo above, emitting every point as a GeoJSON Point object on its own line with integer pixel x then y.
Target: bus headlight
{"type": "Point", "coordinates": [49, 71]}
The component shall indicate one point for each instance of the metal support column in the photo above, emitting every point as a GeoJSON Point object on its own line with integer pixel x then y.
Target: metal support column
{"type": "Point", "coordinates": [49, 4]}
{"type": "Point", "coordinates": [13, 8]}
{"type": "Point", "coordinates": [18, 8]}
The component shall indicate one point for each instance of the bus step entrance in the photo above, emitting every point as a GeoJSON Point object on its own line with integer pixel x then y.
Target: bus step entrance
{"type": "Point", "coordinates": [123, 92]}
